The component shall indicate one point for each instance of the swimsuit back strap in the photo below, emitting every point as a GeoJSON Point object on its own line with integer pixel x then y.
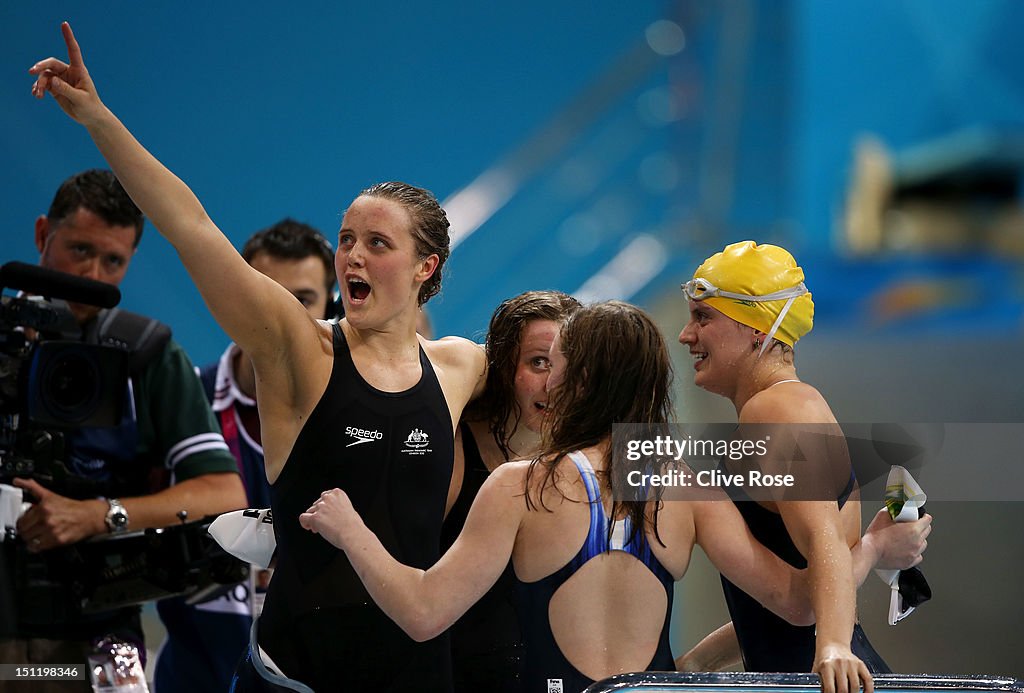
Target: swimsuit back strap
{"type": "Point", "coordinates": [597, 534]}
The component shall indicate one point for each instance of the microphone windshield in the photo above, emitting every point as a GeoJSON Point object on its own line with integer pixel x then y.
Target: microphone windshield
{"type": "Point", "coordinates": [41, 281]}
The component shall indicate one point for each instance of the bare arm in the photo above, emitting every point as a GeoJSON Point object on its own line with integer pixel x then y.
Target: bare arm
{"type": "Point", "coordinates": [255, 311]}
{"type": "Point", "coordinates": [717, 651]}
{"type": "Point", "coordinates": [815, 526]}
{"type": "Point", "coordinates": [462, 369]}
{"type": "Point", "coordinates": [726, 539]}
{"type": "Point", "coordinates": [208, 494]}
{"type": "Point", "coordinates": [55, 520]}
{"type": "Point", "coordinates": [425, 603]}
{"type": "Point", "coordinates": [885, 544]}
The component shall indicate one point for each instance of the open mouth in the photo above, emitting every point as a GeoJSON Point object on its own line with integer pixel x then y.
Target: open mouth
{"type": "Point", "coordinates": [698, 357]}
{"type": "Point", "coordinates": [358, 290]}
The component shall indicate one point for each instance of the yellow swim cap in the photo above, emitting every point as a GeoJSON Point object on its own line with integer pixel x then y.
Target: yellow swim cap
{"type": "Point", "coordinates": [760, 272]}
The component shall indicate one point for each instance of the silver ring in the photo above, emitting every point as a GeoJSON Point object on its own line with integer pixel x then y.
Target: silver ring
{"type": "Point", "coordinates": [36, 542]}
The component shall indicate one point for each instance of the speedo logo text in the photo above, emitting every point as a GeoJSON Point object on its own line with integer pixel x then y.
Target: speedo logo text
{"type": "Point", "coordinates": [362, 436]}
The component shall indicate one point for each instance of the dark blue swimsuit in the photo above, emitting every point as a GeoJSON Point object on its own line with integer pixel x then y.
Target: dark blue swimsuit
{"type": "Point", "coordinates": [769, 643]}
{"type": "Point", "coordinates": [544, 663]}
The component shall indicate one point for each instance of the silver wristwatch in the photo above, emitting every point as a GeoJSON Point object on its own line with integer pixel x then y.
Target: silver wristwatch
{"type": "Point", "coordinates": [117, 517]}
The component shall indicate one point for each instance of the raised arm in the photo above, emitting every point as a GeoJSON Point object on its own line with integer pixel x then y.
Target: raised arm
{"type": "Point", "coordinates": [425, 603]}
{"type": "Point", "coordinates": [254, 310]}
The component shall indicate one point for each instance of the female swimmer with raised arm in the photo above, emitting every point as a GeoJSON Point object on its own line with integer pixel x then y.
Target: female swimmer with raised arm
{"type": "Point", "coordinates": [364, 405]}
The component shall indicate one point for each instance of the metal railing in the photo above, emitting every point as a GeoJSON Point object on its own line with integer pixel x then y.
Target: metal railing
{"type": "Point", "coordinates": [676, 682]}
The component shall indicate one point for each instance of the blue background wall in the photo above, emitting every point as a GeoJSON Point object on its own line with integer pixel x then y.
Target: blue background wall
{"type": "Point", "coordinates": [747, 132]}
{"type": "Point", "coordinates": [267, 111]}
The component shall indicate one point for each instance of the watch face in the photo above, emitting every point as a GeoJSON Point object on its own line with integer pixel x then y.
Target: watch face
{"type": "Point", "coordinates": [117, 517]}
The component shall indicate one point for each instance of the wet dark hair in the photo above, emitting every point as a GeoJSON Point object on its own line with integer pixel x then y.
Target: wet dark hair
{"type": "Point", "coordinates": [617, 371]}
{"type": "Point", "coordinates": [292, 240]}
{"type": "Point", "coordinates": [429, 226]}
{"type": "Point", "coordinates": [99, 191]}
{"type": "Point", "coordinates": [504, 338]}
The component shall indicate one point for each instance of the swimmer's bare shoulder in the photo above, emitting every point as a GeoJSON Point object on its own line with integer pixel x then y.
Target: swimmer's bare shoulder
{"type": "Point", "coordinates": [461, 367]}
{"type": "Point", "coordinates": [786, 403]}
{"type": "Point", "coordinates": [510, 475]}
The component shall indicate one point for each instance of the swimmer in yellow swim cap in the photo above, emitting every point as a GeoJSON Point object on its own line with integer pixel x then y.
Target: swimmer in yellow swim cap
{"type": "Point", "coordinates": [759, 286]}
{"type": "Point", "coordinates": [749, 306]}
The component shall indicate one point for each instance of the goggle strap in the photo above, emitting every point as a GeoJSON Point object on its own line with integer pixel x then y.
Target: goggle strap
{"type": "Point", "coordinates": [775, 326]}
{"type": "Point", "coordinates": [790, 293]}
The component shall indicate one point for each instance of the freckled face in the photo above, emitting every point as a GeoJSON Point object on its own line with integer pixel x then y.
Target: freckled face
{"type": "Point", "coordinates": [85, 245]}
{"type": "Point", "coordinates": [718, 345]}
{"type": "Point", "coordinates": [379, 269]}
{"type": "Point", "coordinates": [532, 368]}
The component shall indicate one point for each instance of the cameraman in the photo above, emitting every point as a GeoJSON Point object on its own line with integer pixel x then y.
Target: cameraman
{"type": "Point", "coordinates": [167, 432]}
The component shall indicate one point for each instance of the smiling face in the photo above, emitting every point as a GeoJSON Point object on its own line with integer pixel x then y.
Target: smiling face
{"type": "Point", "coordinates": [85, 245]}
{"type": "Point", "coordinates": [720, 346]}
{"type": "Point", "coordinates": [532, 368]}
{"type": "Point", "coordinates": [379, 270]}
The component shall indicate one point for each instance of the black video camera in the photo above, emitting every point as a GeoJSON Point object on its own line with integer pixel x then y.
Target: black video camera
{"type": "Point", "coordinates": [55, 380]}
{"type": "Point", "coordinates": [51, 382]}
{"type": "Point", "coordinates": [109, 572]}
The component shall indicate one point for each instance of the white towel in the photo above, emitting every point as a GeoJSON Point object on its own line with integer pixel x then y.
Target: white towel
{"type": "Point", "coordinates": [246, 534]}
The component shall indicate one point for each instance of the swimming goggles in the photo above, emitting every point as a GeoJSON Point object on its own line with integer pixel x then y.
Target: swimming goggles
{"type": "Point", "coordinates": [700, 289]}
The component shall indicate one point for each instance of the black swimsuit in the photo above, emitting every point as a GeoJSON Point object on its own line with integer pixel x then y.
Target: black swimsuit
{"type": "Point", "coordinates": [392, 454]}
{"type": "Point", "coordinates": [487, 645]}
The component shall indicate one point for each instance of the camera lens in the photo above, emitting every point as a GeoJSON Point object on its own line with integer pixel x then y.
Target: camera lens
{"type": "Point", "coordinates": [71, 383]}
{"type": "Point", "coordinates": [67, 383]}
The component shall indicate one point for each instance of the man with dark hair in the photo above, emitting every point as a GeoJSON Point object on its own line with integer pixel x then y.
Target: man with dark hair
{"type": "Point", "coordinates": [91, 230]}
{"type": "Point", "coordinates": [167, 432]}
{"type": "Point", "coordinates": [292, 240]}
{"type": "Point", "coordinates": [205, 641]}
{"type": "Point", "coordinates": [98, 191]}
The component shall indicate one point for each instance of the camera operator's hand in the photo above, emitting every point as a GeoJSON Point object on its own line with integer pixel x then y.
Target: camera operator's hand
{"type": "Point", "coordinates": [58, 521]}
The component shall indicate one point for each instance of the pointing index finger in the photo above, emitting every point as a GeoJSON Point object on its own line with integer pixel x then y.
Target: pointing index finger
{"type": "Point", "coordinates": [74, 52]}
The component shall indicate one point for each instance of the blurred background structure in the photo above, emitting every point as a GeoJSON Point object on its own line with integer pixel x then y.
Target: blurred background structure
{"type": "Point", "coordinates": [606, 148]}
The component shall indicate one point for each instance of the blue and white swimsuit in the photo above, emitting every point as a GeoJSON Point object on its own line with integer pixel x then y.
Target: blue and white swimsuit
{"type": "Point", "coordinates": [546, 667]}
